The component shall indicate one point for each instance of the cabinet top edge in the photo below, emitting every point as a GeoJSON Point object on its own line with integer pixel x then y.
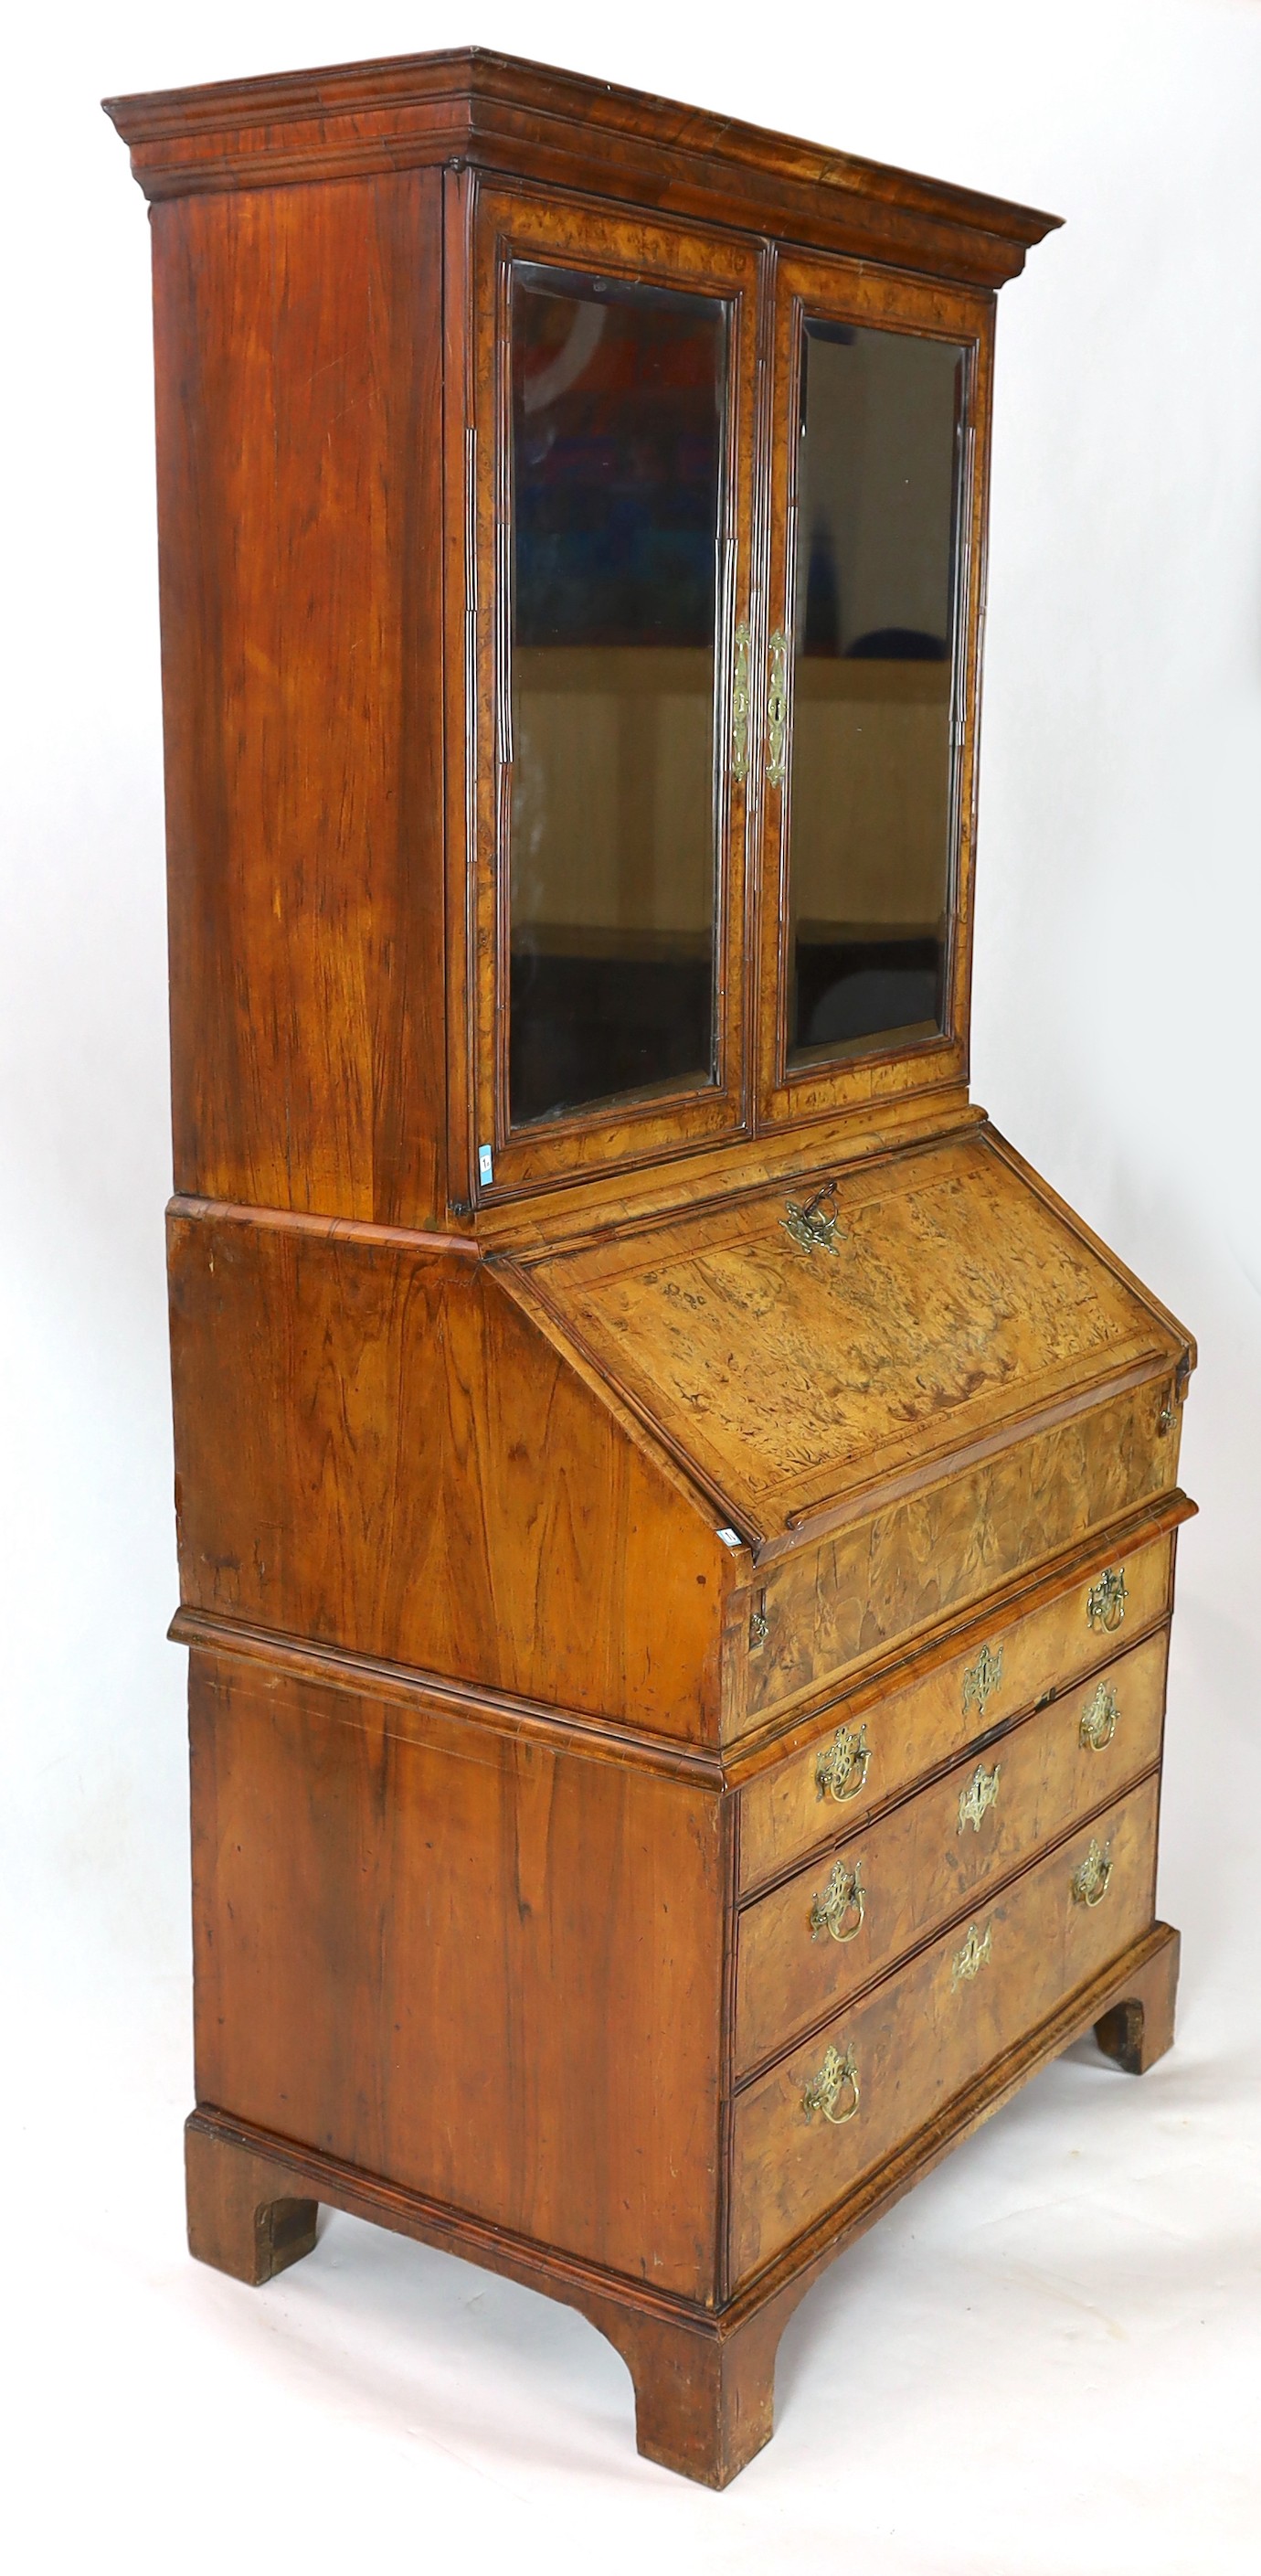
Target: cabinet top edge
{"type": "Point", "coordinates": [225, 133]}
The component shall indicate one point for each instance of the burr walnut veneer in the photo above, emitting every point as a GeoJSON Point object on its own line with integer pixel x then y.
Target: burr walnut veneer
{"type": "Point", "coordinates": [676, 1520]}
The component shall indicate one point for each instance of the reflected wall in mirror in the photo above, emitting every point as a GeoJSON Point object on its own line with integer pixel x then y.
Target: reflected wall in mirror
{"type": "Point", "coordinates": [880, 419]}
{"type": "Point", "coordinates": [617, 438]}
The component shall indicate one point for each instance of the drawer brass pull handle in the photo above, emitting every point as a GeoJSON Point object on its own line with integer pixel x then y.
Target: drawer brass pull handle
{"type": "Point", "coordinates": [1090, 1879]}
{"type": "Point", "coordinates": [980, 1794]}
{"type": "Point", "coordinates": [777, 711]}
{"type": "Point", "coordinates": [980, 1679]}
{"type": "Point", "coordinates": [808, 1226]}
{"type": "Point", "coordinates": [974, 1956]}
{"type": "Point", "coordinates": [842, 1767]}
{"type": "Point", "coordinates": [844, 1895]}
{"type": "Point", "coordinates": [740, 705]}
{"type": "Point", "coordinates": [836, 2076]}
{"type": "Point", "coordinates": [1099, 1721]}
{"type": "Point", "coordinates": [1106, 1600]}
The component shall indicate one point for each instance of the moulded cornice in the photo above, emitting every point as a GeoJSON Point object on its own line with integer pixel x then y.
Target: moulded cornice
{"type": "Point", "coordinates": [522, 119]}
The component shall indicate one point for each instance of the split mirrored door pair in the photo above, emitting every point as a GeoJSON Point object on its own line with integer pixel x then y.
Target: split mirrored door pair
{"type": "Point", "coordinates": [728, 518]}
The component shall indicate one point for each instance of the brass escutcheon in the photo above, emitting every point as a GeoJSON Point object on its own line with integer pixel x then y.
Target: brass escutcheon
{"type": "Point", "coordinates": [981, 1678]}
{"type": "Point", "coordinates": [740, 705]}
{"type": "Point", "coordinates": [777, 711]}
{"type": "Point", "coordinates": [980, 1793]}
{"type": "Point", "coordinates": [842, 1767]}
{"type": "Point", "coordinates": [1089, 1881]}
{"type": "Point", "coordinates": [836, 2075]}
{"type": "Point", "coordinates": [1099, 1721]}
{"type": "Point", "coordinates": [759, 1624]}
{"type": "Point", "coordinates": [844, 1894]}
{"type": "Point", "coordinates": [1106, 1599]}
{"type": "Point", "coordinates": [813, 1231]}
{"type": "Point", "coordinates": [971, 1958]}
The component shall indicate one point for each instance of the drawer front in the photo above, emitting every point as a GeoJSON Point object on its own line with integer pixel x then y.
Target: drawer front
{"type": "Point", "coordinates": [848, 1915]}
{"type": "Point", "coordinates": [808, 2131]}
{"type": "Point", "coordinates": [878, 1581]}
{"type": "Point", "coordinates": [863, 1756]}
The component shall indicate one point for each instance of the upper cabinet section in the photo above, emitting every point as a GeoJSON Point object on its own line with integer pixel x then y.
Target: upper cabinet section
{"type": "Point", "coordinates": [572, 530]}
{"type": "Point", "coordinates": [722, 745]}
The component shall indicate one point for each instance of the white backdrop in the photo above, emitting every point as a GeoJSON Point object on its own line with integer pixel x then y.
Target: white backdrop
{"type": "Point", "coordinates": [1051, 2355]}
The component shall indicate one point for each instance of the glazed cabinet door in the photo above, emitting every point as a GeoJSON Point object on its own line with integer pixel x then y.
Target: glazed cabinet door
{"type": "Point", "coordinates": [613, 394]}
{"type": "Point", "coordinates": [879, 393]}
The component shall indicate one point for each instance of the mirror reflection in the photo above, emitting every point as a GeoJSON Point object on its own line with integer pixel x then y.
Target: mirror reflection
{"type": "Point", "coordinates": [880, 424]}
{"type": "Point", "coordinates": [617, 441]}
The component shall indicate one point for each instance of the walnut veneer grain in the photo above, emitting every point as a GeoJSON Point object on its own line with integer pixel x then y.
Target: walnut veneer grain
{"type": "Point", "coordinates": [547, 1508]}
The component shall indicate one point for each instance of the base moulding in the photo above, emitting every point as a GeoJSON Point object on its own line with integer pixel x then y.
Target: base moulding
{"type": "Point", "coordinates": [704, 2379]}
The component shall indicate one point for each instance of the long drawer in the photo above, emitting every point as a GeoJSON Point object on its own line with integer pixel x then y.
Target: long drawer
{"type": "Point", "coordinates": [809, 1944]}
{"type": "Point", "coordinates": [808, 2131]}
{"type": "Point", "coordinates": [866, 1755]}
{"type": "Point", "coordinates": [877, 1583]}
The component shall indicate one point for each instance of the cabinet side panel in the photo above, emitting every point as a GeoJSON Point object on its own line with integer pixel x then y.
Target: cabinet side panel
{"type": "Point", "coordinates": [486, 1969]}
{"type": "Point", "coordinates": [377, 1450]}
{"type": "Point", "coordinates": [298, 349]}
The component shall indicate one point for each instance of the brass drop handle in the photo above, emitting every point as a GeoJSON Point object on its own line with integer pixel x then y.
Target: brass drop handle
{"type": "Point", "coordinates": [1099, 1721]}
{"type": "Point", "coordinates": [777, 711]}
{"type": "Point", "coordinates": [842, 1767]}
{"type": "Point", "coordinates": [1089, 1881]}
{"type": "Point", "coordinates": [980, 1794]}
{"type": "Point", "coordinates": [837, 2077]}
{"type": "Point", "coordinates": [740, 701]}
{"type": "Point", "coordinates": [840, 1909]}
{"type": "Point", "coordinates": [1106, 1600]}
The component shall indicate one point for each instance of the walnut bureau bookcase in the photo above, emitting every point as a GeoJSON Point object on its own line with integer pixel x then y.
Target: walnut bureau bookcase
{"type": "Point", "coordinates": [676, 1519]}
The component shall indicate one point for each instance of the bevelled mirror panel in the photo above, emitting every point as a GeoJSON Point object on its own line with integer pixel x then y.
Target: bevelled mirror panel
{"type": "Point", "coordinates": [880, 424]}
{"type": "Point", "coordinates": [616, 502]}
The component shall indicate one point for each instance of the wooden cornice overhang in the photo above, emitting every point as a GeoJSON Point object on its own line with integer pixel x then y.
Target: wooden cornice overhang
{"type": "Point", "coordinates": [505, 116]}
